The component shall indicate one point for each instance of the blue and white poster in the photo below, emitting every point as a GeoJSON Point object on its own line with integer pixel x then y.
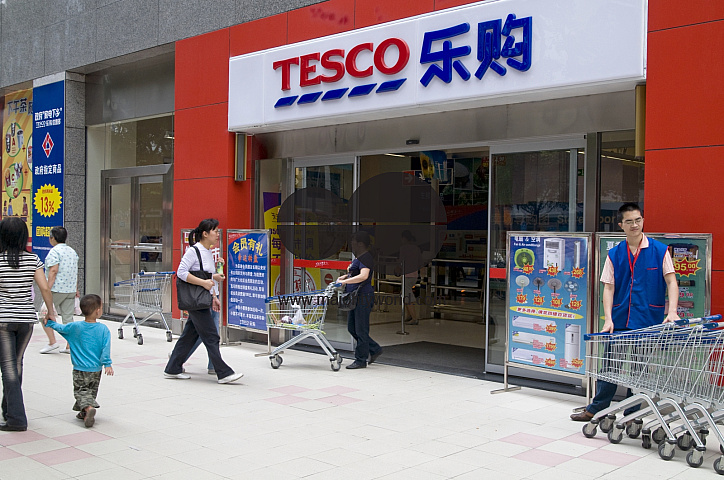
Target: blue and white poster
{"type": "Point", "coordinates": [48, 163]}
{"type": "Point", "coordinates": [248, 278]}
{"type": "Point", "coordinates": [548, 307]}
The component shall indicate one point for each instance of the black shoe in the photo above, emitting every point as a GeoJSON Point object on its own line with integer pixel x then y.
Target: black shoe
{"type": "Point", "coordinates": [356, 364]}
{"type": "Point", "coordinates": [374, 357]}
{"type": "Point", "coordinates": [10, 428]}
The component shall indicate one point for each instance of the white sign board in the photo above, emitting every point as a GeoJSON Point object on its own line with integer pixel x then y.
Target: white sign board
{"type": "Point", "coordinates": [491, 53]}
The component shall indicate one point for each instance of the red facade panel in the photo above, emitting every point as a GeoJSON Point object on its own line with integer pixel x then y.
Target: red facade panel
{"type": "Point", "coordinates": [203, 146]}
{"type": "Point", "coordinates": [258, 35]}
{"type": "Point", "coordinates": [671, 14]}
{"type": "Point", "coordinates": [674, 200]}
{"type": "Point", "coordinates": [684, 99]}
{"type": "Point", "coordinates": [202, 70]}
{"type": "Point", "coordinates": [443, 4]}
{"type": "Point", "coordinates": [320, 20]}
{"type": "Point", "coordinates": [381, 11]}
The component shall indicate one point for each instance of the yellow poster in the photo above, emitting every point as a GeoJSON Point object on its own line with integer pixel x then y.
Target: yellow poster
{"type": "Point", "coordinates": [17, 156]}
{"type": "Point", "coordinates": [305, 280]}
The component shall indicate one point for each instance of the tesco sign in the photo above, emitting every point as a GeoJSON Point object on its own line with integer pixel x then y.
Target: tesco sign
{"type": "Point", "coordinates": [337, 63]}
{"type": "Point", "coordinates": [482, 54]}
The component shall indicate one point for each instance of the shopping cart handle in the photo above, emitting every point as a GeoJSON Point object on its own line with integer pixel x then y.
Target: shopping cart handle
{"type": "Point", "coordinates": [696, 321]}
{"type": "Point", "coordinates": [156, 273]}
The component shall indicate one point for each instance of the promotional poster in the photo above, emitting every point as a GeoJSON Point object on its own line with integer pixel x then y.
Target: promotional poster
{"type": "Point", "coordinates": [248, 278]}
{"type": "Point", "coordinates": [17, 156]}
{"type": "Point", "coordinates": [691, 255]}
{"type": "Point", "coordinates": [548, 285]}
{"type": "Point", "coordinates": [47, 169]}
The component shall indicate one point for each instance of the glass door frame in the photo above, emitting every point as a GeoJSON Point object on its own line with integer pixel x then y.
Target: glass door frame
{"type": "Point", "coordinates": [303, 162]}
{"type": "Point", "coordinates": [135, 176]}
{"type": "Point", "coordinates": [574, 143]}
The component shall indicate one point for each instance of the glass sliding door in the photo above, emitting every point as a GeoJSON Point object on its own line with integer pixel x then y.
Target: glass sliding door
{"type": "Point", "coordinates": [136, 226]}
{"type": "Point", "coordinates": [536, 187]}
{"type": "Point", "coordinates": [339, 177]}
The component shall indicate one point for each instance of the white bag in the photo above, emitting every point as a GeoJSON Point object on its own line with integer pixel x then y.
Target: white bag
{"type": "Point", "coordinates": [77, 306]}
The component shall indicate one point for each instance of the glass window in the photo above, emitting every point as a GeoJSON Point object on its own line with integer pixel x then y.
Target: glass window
{"type": "Point", "coordinates": [622, 177]}
{"type": "Point", "coordinates": [139, 143]}
{"type": "Point", "coordinates": [531, 191]}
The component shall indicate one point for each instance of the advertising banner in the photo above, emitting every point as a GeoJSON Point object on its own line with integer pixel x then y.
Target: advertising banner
{"type": "Point", "coordinates": [548, 309]}
{"type": "Point", "coordinates": [17, 156]}
{"type": "Point", "coordinates": [48, 132]}
{"type": "Point", "coordinates": [691, 254]}
{"type": "Point", "coordinates": [248, 278]}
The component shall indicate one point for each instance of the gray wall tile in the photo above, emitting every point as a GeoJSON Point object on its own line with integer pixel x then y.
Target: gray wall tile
{"type": "Point", "coordinates": [75, 151]}
{"type": "Point", "coordinates": [191, 17]}
{"type": "Point", "coordinates": [70, 43]}
{"type": "Point", "coordinates": [126, 26]}
{"type": "Point", "coordinates": [23, 16]}
{"type": "Point", "coordinates": [59, 10]}
{"type": "Point", "coordinates": [76, 239]}
{"type": "Point", "coordinates": [247, 10]}
{"type": "Point", "coordinates": [23, 57]}
{"type": "Point", "coordinates": [74, 104]}
{"type": "Point", "coordinates": [74, 199]}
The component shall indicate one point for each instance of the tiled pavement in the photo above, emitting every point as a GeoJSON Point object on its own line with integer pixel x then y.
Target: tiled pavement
{"type": "Point", "coordinates": [305, 421]}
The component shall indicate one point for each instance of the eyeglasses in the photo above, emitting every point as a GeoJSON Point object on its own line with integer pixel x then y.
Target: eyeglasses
{"type": "Point", "coordinates": [637, 221]}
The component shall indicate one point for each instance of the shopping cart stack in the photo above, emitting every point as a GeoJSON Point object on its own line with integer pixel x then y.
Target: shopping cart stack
{"type": "Point", "coordinates": [144, 293]}
{"type": "Point", "coordinates": [675, 371]}
{"type": "Point", "coordinates": [302, 313]}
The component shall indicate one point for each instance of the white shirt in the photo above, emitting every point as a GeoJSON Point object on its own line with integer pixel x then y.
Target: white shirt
{"type": "Point", "coordinates": [190, 262]}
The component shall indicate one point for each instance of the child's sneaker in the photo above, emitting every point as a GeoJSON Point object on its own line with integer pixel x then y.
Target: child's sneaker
{"type": "Point", "coordinates": [90, 417]}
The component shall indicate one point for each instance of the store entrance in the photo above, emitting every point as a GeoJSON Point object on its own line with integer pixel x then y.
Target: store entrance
{"type": "Point", "coordinates": [444, 327]}
{"type": "Point", "coordinates": [136, 226]}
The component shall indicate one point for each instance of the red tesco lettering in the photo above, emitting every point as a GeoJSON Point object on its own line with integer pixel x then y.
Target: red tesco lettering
{"type": "Point", "coordinates": [357, 62]}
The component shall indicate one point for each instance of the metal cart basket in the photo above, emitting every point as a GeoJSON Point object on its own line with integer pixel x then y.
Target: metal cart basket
{"type": "Point", "coordinates": [304, 314]}
{"type": "Point", "coordinates": [143, 293]}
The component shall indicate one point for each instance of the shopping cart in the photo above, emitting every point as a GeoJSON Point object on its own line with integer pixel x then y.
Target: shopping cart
{"type": "Point", "coordinates": [304, 314]}
{"type": "Point", "coordinates": [663, 364]}
{"type": "Point", "coordinates": [143, 293]}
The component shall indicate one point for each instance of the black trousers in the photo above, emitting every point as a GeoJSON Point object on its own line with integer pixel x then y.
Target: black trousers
{"type": "Point", "coordinates": [199, 325]}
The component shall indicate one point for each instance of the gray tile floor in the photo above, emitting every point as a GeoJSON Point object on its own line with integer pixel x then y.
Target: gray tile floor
{"type": "Point", "coordinates": [305, 421]}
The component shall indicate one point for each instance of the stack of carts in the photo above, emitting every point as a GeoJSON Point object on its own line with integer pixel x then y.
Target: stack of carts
{"type": "Point", "coordinates": [304, 314]}
{"type": "Point", "coordinates": [143, 293]}
{"type": "Point", "coordinates": [676, 372]}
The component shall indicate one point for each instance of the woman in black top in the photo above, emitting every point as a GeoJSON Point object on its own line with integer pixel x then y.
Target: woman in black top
{"type": "Point", "coordinates": [358, 320]}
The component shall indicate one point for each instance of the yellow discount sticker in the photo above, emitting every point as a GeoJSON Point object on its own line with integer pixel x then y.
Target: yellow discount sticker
{"type": "Point", "coordinates": [47, 200]}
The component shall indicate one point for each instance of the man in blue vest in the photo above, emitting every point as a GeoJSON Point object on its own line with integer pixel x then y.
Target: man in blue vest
{"type": "Point", "coordinates": [637, 275]}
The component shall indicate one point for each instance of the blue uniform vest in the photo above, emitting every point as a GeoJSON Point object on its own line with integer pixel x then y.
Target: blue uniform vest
{"type": "Point", "coordinates": [638, 300]}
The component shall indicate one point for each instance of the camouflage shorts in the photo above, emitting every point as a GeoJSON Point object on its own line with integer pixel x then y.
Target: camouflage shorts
{"type": "Point", "coordinates": [85, 389]}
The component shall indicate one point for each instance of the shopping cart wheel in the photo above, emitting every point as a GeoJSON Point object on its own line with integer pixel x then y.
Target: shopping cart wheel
{"type": "Point", "coordinates": [335, 366]}
{"type": "Point", "coordinates": [703, 433]}
{"type": "Point", "coordinates": [685, 441]}
{"type": "Point", "coordinates": [721, 448]}
{"type": "Point", "coordinates": [659, 435]}
{"type": "Point", "coordinates": [139, 338]}
{"type": "Point", "coordinates": [667, 450]}
{"type": "Point", "coordinates": [169, 336]}
{"type": "Point", "coordinates": [338, 358]}
{"type": "Point", "coordinates": [615, 434]}
{"type": "Point", "coordinates": [589, 430]}
{"type": "Point", "coordinates": [120, 333]}
{"type": "Point", "coordinates": [633, 430]}
{"type": "Point", "coordinates": [135, 332]}
{"type": "Point", "coordinates": [646, 441]}
{"type": "Point", "coordinates": [606, 423]}
{"type": "Point", "coordinates": [695, 458]}
{"type": "Point", "coordinates": [276, 361]}
{"type": "Point", "coordinates": [718, 468]}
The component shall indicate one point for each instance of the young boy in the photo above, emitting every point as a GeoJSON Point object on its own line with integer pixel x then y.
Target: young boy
{"type": "Point", "coordinates": [90, 352]}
